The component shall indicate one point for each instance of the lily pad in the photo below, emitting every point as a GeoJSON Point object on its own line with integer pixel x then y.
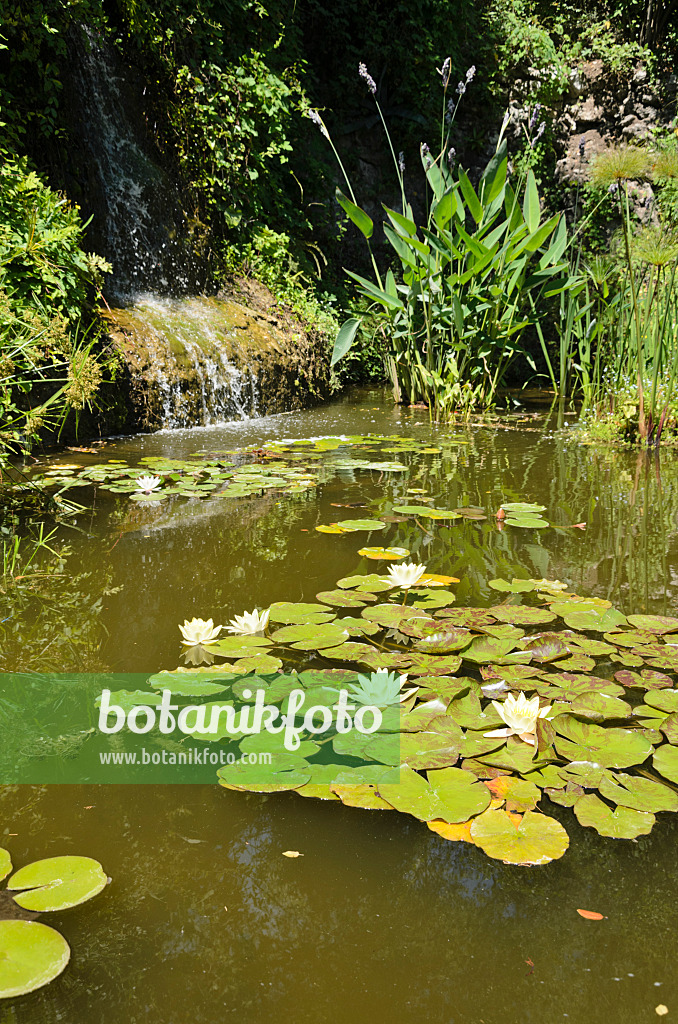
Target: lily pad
{"type": "Point", "coordinates": [520, 615]}
{"type": "Point", "coordinates": [665, 761]}
{"type": "Point", "coordinates": [57, 883]}
{"type": "Point", "coordinates": [639, 793]}
{"type": "Point", "coordinates": [532, 839]}
{"type": "Point", "coordinates": [623, 823]}
{"type": "Point", "coordinates": [655, 623]}
{"type": "Point", "coordinates": [384, 554]}
{"type": "Point", "coordinates": [460, 796]}
{"type": "Point", "coordinates": [292, 613]}
{"type": "Point", "coordinates": [514, 587]}
{"type": "Point", "coordinates": [609, 747]}
{"type": "Point", "coordinates": [31, 955]}
{"type": "Point", "coordinates": [5, 863]}
{"type": "Point", "coordinates": [344, 598]}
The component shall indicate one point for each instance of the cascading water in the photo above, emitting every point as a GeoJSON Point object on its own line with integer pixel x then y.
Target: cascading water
{"type": "Point", "coordinates": [191, 342]}
{"type": "Point", "coordinates": [196, 357]}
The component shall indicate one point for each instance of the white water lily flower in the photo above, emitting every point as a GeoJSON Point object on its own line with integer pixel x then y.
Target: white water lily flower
{"type": "Point", "coordinates": [199, 631]}
{"type": "Point", "coordinates": [521, 716]}
{"type": "Point", "coordinates": [148, 484]}
{"type": "Point", "coordinates": [405, 575]}
{"type": "Point", "coordinates": [249, 623]}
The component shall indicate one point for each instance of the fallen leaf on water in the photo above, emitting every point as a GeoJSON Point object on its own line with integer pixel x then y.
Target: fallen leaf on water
{"type": "Point", "coordinates": [577, 526]}
{"type": "Point", "coordinates": [591, 915]}
{"type": "Point", "coordinates": [661, 1010]}
{"type": "Point", "coordinates": [292, 853]}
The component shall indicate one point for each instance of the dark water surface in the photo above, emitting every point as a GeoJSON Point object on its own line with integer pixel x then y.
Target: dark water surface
{"type": "Point", "coordinates": [380, 920]}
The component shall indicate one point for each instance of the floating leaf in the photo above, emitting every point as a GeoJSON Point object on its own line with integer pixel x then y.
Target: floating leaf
{"type": "Point", "coordinates": [361, 796]}
{"type": "Point", "coordinates": [344, 598]}
{"type": "Point", "coordinates": [390, 615]}
{"type": "Point", "coordinates": [519, 615]}
{"type": "Point", "coordinates": [311, 637]}
{"type": "Point", "coordinates": [31, 955]}
{"type": "Point", "coordinates": [519, 794]}
{"type": "Point", "coordinates": [460, 796]}
{"type": "Point", "coordinates": [456, 833]}
{"type": "Point", "coordinates": [532, 839]}
{"type": "Point", "coordinates": [384, 554]}
{"type": "Point", "coordinates": [600, 706]}
{"type": "Point", "coordinates": [665, 761]}
{"type": "Point", "coordinates": [5, 863]}
{"type": "Point", "coordinates": [57, 883]}
{"type": "Point", "coordinates": [292, 613]}
{"type": "Point", "coordinates": [609, 747]}
{"type": "Point", "coordinates": [514, 587]}
{"type": "Point", "coordinates": [591, 915]}
{"type": "Point", "coordinates": [655, 623]}
{"type": "Point", "coordinates": [623, 823]}
{"type": "Point", "coordinates": [639, 793]}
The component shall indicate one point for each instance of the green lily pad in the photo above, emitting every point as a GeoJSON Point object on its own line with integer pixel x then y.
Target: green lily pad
{"type": "Point", "coordinates": [639, 793]}
{"type": "Point", "coordinates": [360, 795]}
{"type": "Point", "coordinates": [262, 663]}
{"type": "Point", "coordinates": [5, 863]}
{"type": "Point", "coordinates": [391, 615]}
{"type": "Point", "coordinates": [663, 700]}
{"type": "Point", "coordinates": [432, 599]}
{"type": "Point", "coordinates": [368, 584]}
{"type": "Point", "coordinates": [520, 615]}
{"type": "Point", "coordinates": [600, 706]}
{"type": "Point", "coordinates": [353, 526]}
{"type": "Point", "coordinates": [185, 684]}
{"type": "Point", "coordinates": [655, 623]}
{"type": "Point", "coordinates": [431, 664]}
{"type": "Point", "coordinates": [429, 749]}
{"type": "Point", "coordinates": [350, 651]}
{"type": "Point", "coordinates": [547, 647]}
{"type": "Point", "coordinates": [623, 823]}
{"type": "Point", "coordinates": [523, 506]}
{"type": "Point", "coordinates": [130, 699]}
{"type": "Point", "coordinates": [514, 587]}
{"type": "Point", "coordinates": [460, 796]}
{"type": "Point", "coordinates": [533, 839]}
{"type": "Point", "coordinates": [485, 649]}
{"type": "Point", "coordinates": [311, 637]}
{"type": "Point", "coordinates": [665, 761]}
{"type": "Point", "coordinates": [412, 795]}
{"type": "Point", "coordinates": [57, 883]}
{"type": "Point", "coordinates": [609, 747]}
{"type": "Point", "coordinates": [292, 613]}
{"type": "Point", "coordinates": [471, 618]}
{"type": "Point", "coordinates": [601, 620]}
{"type": "Point", "coordinates": [344, 598]}
{"type": "Point", "coordinates": [648, 679]}
{"type": "Point", "coordinates": [31, 955]}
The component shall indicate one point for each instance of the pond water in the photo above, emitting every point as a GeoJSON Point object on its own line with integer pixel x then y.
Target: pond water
{"type": "Point", "coordinates": [380, 919]}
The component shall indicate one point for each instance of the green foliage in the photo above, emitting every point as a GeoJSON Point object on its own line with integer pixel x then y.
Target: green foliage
{"type": "Point", "coordinates": [46, 282]}
{"type": "Point", "coordinates": [455, 314]}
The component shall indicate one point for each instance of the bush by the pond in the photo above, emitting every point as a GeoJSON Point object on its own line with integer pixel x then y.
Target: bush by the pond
{"type": "Point", "coordinates": [47, 282]}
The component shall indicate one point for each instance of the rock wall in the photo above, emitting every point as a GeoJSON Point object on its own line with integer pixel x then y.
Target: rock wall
{"type": "Point", "coordinates": [200, 361]}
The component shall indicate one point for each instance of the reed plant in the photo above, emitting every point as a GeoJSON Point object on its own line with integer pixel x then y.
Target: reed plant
{"type": "Point", "coordinates": [462, 286]}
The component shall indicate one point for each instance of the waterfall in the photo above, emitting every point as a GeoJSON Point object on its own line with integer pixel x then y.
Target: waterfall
{"type": "Point", "coordinates": [138, 222]}
{"type": "Point", "coordinates": [193, 360]}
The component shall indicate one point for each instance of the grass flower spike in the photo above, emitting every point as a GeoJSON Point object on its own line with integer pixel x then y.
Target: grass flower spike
{"type": "Point", "coordinates": [405, 575]}
{"type": "Point", "coordinates": [148, 484]}
{"type": "Point", "coordinates": [249, 623]}
{"type": "Point", "coordinates": [199, 631]}
{"type": "Point", "coordinates": [521, 716]}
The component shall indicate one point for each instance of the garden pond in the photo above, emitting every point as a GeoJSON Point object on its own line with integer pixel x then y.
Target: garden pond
{"type": "Point", "coordinates": [206, 917]}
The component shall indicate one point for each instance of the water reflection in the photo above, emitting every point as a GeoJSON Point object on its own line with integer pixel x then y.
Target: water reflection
{"type": "Point", "coordinates": [380, 919]}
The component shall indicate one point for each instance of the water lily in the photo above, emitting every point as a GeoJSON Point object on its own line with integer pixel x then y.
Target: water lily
{"type": "Point", "coordinates": [249, 623]}
{"type": "Point", "coordinates": [405, 575]}
{"type": "Point", "coordinates": [148, 484]}
{"type": "Point", "coordinates": [381, 688]}
{"type": "Point", "coordinates": [199, 631]}
{"type": "Point", "coordinates": [521, 716]}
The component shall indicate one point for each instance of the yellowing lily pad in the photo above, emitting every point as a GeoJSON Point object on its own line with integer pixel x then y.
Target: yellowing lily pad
{"type": "Point", "coordinates": [530, 839]}
{"type": "Point", "coordinates": [384, 554]}
{"type": "Point", "coordinates": [31, 955]}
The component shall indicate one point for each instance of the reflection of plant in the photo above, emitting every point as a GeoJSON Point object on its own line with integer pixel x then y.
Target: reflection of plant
{"type": "Point", "coordinates": [33, 954]}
